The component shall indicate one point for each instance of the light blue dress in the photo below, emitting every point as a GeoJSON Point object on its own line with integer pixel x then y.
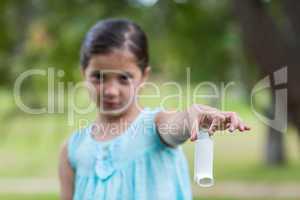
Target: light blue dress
{"type": "Point", "coordinates": [135, 165]}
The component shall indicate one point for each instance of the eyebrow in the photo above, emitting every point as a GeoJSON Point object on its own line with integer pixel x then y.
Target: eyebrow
{"type": "Point", "coordinates": [128, 74]}
{"type": "Point", "coordinates": [124, 73]}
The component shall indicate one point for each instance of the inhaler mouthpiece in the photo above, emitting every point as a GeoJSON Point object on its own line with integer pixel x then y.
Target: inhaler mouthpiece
{"type": "Point", "coordinates": [203, 163]}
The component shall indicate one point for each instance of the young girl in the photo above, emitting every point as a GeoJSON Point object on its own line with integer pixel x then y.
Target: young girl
{"type": "Point", "coordinates": [129, 152]}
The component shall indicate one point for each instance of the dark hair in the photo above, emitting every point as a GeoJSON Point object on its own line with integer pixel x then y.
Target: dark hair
{"type": "Point", "coordinates": [111, 34]}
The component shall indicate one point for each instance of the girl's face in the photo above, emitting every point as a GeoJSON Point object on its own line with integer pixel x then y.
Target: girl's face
{"type": "Point", "coordinates": [113, 80]}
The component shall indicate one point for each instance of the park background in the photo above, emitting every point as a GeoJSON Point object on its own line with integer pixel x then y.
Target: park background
{"type": "Point", "coordinates": [218, 41]}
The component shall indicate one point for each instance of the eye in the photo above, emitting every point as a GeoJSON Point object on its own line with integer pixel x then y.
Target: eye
{"type": "Point", "coordinates": [96, 76]}
{"type": "Point", "coordinates": [124, 78]}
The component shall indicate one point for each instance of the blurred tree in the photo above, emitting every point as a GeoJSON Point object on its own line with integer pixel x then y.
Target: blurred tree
{"type": "Point", "coordinates": [274, 44]}
{"type": "Point", "coordinates": [42, 34]}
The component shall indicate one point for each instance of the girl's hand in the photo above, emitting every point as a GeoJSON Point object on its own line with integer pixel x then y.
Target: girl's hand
{"type": "Point", "coordinates": [212, 119]}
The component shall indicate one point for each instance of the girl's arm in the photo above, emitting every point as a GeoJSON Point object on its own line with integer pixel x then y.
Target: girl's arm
{"type": "Point", "coordinates": [66, 175]}
{"type": "Point", "coordinates": [174, 128]}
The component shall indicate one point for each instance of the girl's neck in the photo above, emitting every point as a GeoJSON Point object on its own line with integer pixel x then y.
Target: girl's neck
{"type": "Point", "coordinates": [127, 116]}
{"type": "Point", "coordinates": [107, 129]}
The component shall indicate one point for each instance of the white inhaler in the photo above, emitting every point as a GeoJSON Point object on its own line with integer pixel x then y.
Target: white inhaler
{"type": "Point", "coordinates": [203, 163]}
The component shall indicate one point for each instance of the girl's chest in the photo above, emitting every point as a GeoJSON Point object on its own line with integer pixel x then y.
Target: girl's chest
{"type": "Point", "coordinates": [90, 158]}
{"type": "Point", "coordinates": [96, 160]}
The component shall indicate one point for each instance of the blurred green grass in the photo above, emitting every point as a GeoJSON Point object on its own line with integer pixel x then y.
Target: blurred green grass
{"type": "Point", "coordinates": [54, 197]}
{"type": "Point", "coordinates": [29, 196]}
{"type": "Point", "coordinates": [30, 145]}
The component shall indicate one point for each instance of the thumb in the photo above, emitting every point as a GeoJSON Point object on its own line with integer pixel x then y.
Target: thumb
{"type": "Point", "coordinates": [194, 129]}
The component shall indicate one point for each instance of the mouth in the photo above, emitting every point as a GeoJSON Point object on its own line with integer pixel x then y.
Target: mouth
{"type": "Point", "coordinates": [110, 105]}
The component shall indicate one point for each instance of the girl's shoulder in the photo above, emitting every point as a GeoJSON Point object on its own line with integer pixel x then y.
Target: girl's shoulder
{"type": "Point", "coordinates": [145, 131]}
{"type": "Point", "coordinates": [150, 113]}
{"type": "Point", "coordinates": [74, 141]}
{"type": "Point", "coordinates": [146, 120]}
{"type": "Point", "coordinates": [78, 135]}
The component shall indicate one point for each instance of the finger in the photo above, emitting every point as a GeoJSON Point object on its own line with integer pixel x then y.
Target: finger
{"type": "Point", "coordinates": [241, 126]}
{"type": "Point", "coordinates": [234, 122]}
{"type": "Point", "coordinates": [247, 128]}
{"type": "Point", "coordinates": [221, 121]}
{"type": "Point", "coordinates": [213, 127]}
{"type": "Point", "coordinates": [194, 131]}
{"type": "Point", "coordinates": [192, 116]}
{"type": "Point", "coordinates": [227, 125]}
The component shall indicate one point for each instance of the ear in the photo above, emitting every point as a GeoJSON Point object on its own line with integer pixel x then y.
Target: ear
{"type": "Point", "coordinates": [82, 71]}
{"type": "Point", "coordinates": [146, 73]}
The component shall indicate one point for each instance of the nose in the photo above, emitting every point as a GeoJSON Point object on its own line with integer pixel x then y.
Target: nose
{"type": "Point", "coordinates": [110, 89]}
